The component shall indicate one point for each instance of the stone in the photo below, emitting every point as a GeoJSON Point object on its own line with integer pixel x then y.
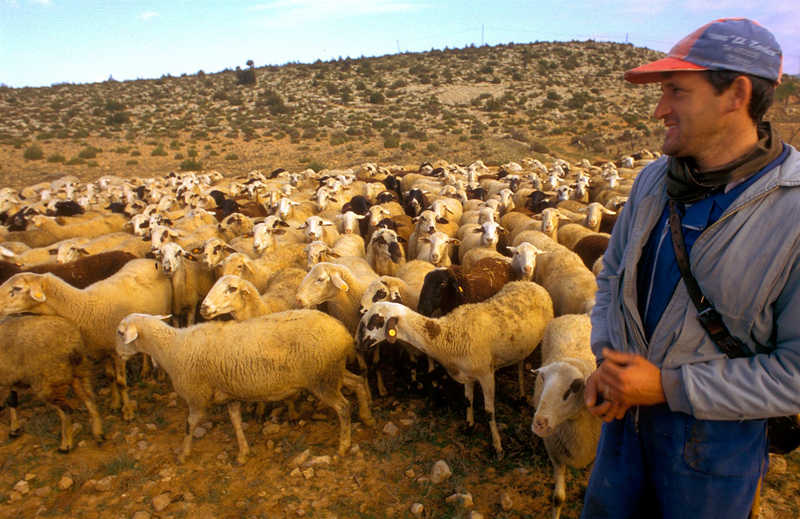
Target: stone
{"type": "Point", "coordinates": [199, 432]}
{"type": "Point", "coordinates": [161, 501]}
{"type": "Point", "coordinates": [150, 427]}
{"type": "Point", "coordinates": [410, 474]}
{"type": "Point", "coordinates": [390, 429]}
{"type": "Point", "coordinates": [30, 476]}
{"type": "Point", "coordinates": [296, 472]}
{"type": "Point", "coordinates": [777, 464]}
{"type": "Point", "coordinates": [65, 483]}
{"type": "Point", "coordinates": [317, 461]}
{"type": "Point", "coordinates": [475, 515]}
{"type": "Point", "coordinates": [141, 514]}
{"type": "Point", "coordinates": [308, 473]}
{"type": "Point", "coordinates": [104, 485]}
{"type": "Point", "coordinates": [22, 487]}
{"type": "Point", "coordinates": [271, 428]}
{"type": "Point", "coordinates": [440, 472]}
{"type": "Point", "coordinates": [462, 500]}
{"type": "Point", "coordinates": [42, 491]}
{"type": "Point", "coordinates": [406, 422]}
{"type": "Point", "coordinates": [14, 496]}
{"type": "Point", "coordinates": [142, 445]}
{"type": "Point", "coordinates": [417, 509]}
{"type": "Point", "coordinates": [300, 458]}
{"type": "Point", "coordinates": [505, 501]}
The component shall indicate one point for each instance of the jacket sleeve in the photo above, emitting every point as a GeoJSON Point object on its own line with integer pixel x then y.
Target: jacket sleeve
{"type": "Point", "coordinates": [714, 389]}
{"type": "Point", "coordinates": [612, 266]}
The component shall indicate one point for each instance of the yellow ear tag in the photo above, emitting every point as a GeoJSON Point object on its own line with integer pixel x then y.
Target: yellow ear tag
{"type": "Point", "coordinates": [392, 333]}
{"type": "Point", "coordinates": [461, 290]}
{"type": "Point", "coordinates": [37, 295]}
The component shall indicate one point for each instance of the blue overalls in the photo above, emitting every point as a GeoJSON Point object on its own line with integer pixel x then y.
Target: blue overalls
{"type": "Point", "coordinates": [656, 463]}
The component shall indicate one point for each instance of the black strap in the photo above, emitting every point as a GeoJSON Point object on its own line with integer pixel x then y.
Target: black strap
{"type": "Point", "coordinates": [706, 313]}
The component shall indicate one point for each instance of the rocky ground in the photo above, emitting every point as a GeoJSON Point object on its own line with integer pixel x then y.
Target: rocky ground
{"type": "Point", "coordinates": [419, 461]}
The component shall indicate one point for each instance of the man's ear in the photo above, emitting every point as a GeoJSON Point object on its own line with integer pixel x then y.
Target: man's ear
{"type": "Point", "coordinates": [739, 94]}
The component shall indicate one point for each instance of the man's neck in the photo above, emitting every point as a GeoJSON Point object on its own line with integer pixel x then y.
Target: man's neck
{"type": "Point", "coordinates": [730, 147]}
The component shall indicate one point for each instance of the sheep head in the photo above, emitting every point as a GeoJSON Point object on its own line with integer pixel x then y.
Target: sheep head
{"type": "Point", "coordinates": [323, 282]}
{"type": "Point", "coordinates": [380, 323]}
{"type": "Point", "coordinates": [23, 292]}
{"type": "Point", "coordinates": [226, 296]}
{"type": "Point", "coordinates": [558, 395]}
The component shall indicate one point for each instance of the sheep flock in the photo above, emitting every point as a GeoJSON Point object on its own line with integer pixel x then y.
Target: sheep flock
{"type": "Point", "coordinates": [352, 285]}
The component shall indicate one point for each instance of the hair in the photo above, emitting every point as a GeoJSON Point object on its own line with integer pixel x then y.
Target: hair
{"type": "Point", "coordinates": [761, 97]}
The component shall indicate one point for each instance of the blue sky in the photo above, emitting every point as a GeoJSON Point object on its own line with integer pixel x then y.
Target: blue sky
{"type": "Point", "coordinates": [52, 41]}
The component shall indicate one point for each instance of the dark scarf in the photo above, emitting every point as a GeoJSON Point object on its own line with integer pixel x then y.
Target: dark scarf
{"type": "Point", "coordinates": [686, 184]}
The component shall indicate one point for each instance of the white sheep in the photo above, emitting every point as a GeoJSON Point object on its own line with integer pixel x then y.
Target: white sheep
{"type": "Point", "coordinates": [46, 354]}
{"type": "Point", "coordinates": [570, 432]}
{"type": "Point", "coordinates": [95, 310]}
{"type": "Point", "coordinates": [435, 248]}
{"type": "Point", "coordinates": [487, 237]}
{"type": "Point", "coordinates": [191, 280]}
{"type": "Point", "coordinates": [268, 358]}
{"type": "Point", "coordinates": [472, 341]}
{"type": "Point", "coordinates": [385, 253]}
{"type": "Point", "coordinates": [240, 298]}
{"type": "Point", "coordinates": [571, 285]}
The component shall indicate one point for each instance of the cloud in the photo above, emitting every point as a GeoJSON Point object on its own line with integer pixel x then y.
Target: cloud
{"type": "Point", "coordinates": [295, 12]}
{"type": "Point", "coordinates": [147, 16]}
{"type": "Point", "coordinates": [42, 2]}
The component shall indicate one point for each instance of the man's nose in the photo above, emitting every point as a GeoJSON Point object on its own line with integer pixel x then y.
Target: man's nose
{"type": "Point", "coordinates": [662, 109]}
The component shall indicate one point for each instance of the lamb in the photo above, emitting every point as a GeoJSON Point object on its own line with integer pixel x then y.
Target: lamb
{"type": "Point", "coordinates": [570, 432]}
{"type": "Point", "coordinates": [444, 289]}
{"type": "Point", "coordinates": [47, 354]}
{"type": "Point", "coordinates": [472, 341]}
{"type": "Point", "coordinates": [79, 273]}
{"type": "Point", "coordinates": [239, 298]}
{"type": "Point", "coordinates": [265, 359]}
{"type": "Point", "coordinates": [95, 310]}
{"type": "Point", "coordinates": [191, 280]}
{"type": "Point", "coordinates": [384, 252]}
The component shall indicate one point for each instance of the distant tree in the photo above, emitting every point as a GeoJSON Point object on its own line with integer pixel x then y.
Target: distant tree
{"type": "Point", "coordinates": [246, 77]}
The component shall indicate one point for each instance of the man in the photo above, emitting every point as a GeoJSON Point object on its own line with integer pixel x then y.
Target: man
{"type": "Point", "coordinates": [685, 423]}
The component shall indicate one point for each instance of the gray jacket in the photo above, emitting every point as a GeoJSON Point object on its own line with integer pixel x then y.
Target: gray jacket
{"type": "Point", "coordinates": [748, 265]}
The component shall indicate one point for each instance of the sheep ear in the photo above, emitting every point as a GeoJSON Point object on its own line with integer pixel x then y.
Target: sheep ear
{"type": "Point", "coordinates": [442, 220]}
{"type": "Point", "coordinates": [37, 295]}
{"type": "Point", "coordinates": [163, 317]}
{"type": "Point", "coordinates": [513, 250]}
{"type": "Point", "coordinates": [338, 282]}
{"type": "Point", "coordinates": [130, 334]}
{"type": "Point", "coordinates": [454, 241]}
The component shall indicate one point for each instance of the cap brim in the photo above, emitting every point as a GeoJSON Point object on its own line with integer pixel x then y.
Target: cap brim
{"type": "Point", "coordinates": [652, 72]}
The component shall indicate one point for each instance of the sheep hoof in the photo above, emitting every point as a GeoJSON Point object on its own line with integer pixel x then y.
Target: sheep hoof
{"type": "Point", "coordinates": [128, 411]}
{"type": "Point", "coordinates": [241, 460]}
{"type": "Point", "coordinates": [499, 454]}
{"type": "Point", "coordinates": [64, 450]}
{"type": "Point", "coordinates": [15, 433]}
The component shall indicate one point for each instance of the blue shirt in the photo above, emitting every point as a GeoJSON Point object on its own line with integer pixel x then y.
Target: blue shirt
{"type": "Point", "coordinates": [658, 272]}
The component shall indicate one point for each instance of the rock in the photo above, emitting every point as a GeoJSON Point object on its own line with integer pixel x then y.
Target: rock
{"type": "Point", "coordinates": [199, 432]}
{"type": "Point", "coordinates": [505, 501]}
{"type": "Point", "coordinates": [14, 496]}
{"type": "Point", "coordinates": [410, 474]}
{"type": "Point", "coordinates": [65, 483]}
{"type": "Point", "coordinates": [390, 429]}
{"type": "Point", "coordinates": [475, 515]}
{"type": "Point", "coordinates": [417, 509]}
{"type": "Point", "coordinates": [440, 472]}
{"type": "Point", "coordinates": [30, 476]}
{"type": "Point", "coordinates": [270, 445]}
{"type": "Point", "coordinates": [271, 428]}
{"type": "Point", "coordinates": [300, 458]}
{"type": "Point", "coordinates": [141, 514]}
{"type": "Point", "coordinates": [319, 417]}
{"type": "Point", "coordinates": [308, 473]}
{"type": "Point", "coordinates": [104, 485]}
{"type": "Point", "coordinates": [22, 487]}
{"type": "Point", "coordinates": [150, 427]}
{"type": "Point", "coordinates": [296, 472]}
{"type": "Point", "coordinates": [355, 449]}
{"type": "Point", "coordinates": [42, 491]}
{"type": "Point", "coordinates": [142, 445]}
{"type": "Point", "coordinates": [317, 461]}
{"type": "Point", "coordinates": [161, 501]}
{"type": "Point", "coordinates": [777, 464]}
{"type": "Point", "coordinates": [462, 500]}
{"type": "Point", "coordinates": [406, 422]}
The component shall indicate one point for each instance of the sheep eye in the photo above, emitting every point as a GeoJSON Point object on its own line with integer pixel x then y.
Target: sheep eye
{"type": "Point", "coordinates": [379, 295]}
{"type": "Point", "coordinates": [231, 290]}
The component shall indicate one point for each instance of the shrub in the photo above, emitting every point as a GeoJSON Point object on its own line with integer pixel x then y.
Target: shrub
{"type": "Point", "coordinates": [131, 162]}
{"type": "Point", "coordinates": [231, 156]}
{"type": "Point", "coordinates": [89, 152]}
{"type": "Point", "coordinates": [377, 98]}
{"type": "Point", "coordinates": [391, 141]}
{"type": "Point", "coordinates": [75, 161]}
{"type": "Point", "coordinates": [56, 157]}
{"type": "Point", "coordinates": [539, 147]}
{"type": "Point", "coordinates": [118, 118]}
{"type": "Point", "coordinates": [191, 165]}
{"type": "Point", "coordinates": [158, 151]}
{"type": "Point", "coordinates": [33, 152]}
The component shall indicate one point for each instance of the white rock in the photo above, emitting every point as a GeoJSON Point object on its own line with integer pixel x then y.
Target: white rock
{"type": "Point", "coordinates": [317, 461]}
{"type": "Point", "coordinates": [417, 509]}
{"type": "Point", "coordinates": [410, 474]}
{"type": "Point", "coordinates": [65, 482]}
{"type": "Point", "coordinates": [390, 429]}
{"type": "Point", "coordinates": [141, 514]}
{"type": "Point", "coordinates": [475, 515]}
{"type": "Point", "coordinates": [308, 473]}
{"type": "Point", "coordinates": [104, 485]}
{"type": "Point", "coordinates": [150, 427]}
{"type": "Point", "coordinates": [161, 501]}
{"type": "Point", "coordinates": [30, 476]}
{"type": "Point", "coordinates": [440, 472]}
{"type": "Point", "coordinates": [462, 500]}
{"type": "Point", "coordinates": [199, 432]}
{"type": "Point", "coordinates": [296, 472]}
{"type": "Point", "coordinates": [22, 487]}
{"type": "Point", "coordinates": [300, 458]}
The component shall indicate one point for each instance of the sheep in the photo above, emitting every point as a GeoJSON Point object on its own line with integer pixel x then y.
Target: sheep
{"type": "Point", "coordinates": [47, 230]}
{"type": "Point", "coordinates": [240, 298]}
{"type": "Point", "coordinates": [435, 248]}
{"type": "Point", "coordinates": [384, 252]}
{"type": "Point", "coordinates": [523, 261]}
{"type": "Point", "coordinates": [591, 247]}
{"type": "Point", "coordinates": [402, 289]}
{"type": "Point", "coordinates": [118, 241]}
{"type": "Point", "coordinates": [569, 431]}
{"type": "Point", "coordinates": [264, 359]}
{"type": "Point", "coordinates": [472, 341]}
{"type": "Point", "coordinates": [316, 228]}
{"type": "Point", "coordinates": [79, 273]}
{"type": "Point", "coordinates": [486, 237]}
{"type": "Point", "coordinates": [95, 310]}
{"type": "Point", "coordinates": [444, 289]}
{"type": "Point", "coordinates": [570, 284]}
{"type": "Point", "coordinates": [572, 233]}
{"type": "Point", "coordinates": [191, 280]}
{"type": "Point", "coordinates": [46, 353]}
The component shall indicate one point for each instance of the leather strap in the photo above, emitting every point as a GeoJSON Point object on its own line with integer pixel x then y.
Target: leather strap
{"type": "Point", "coordinates": [706, 313]}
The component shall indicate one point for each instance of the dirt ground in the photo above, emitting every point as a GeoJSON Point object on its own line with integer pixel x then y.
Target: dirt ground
{"type": "Point", "coordinates": [135, 473]}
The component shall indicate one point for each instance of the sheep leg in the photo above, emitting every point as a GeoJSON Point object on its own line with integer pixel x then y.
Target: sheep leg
{"type": "Point", "coordinates": [560, 490]}
{"type": "Point", "coordinates": [521, 379]}
{"type": "Point", "coordinates": [12, 403]}
{"type": "Point", "coordinates": [359, 386]}
{"type": "Point", "coordinates": [83, 388]}
{"type": "Point", "coordinates": [147, 368]}
{"type": "Point", "coordinates": [487, 385]}
{"type": "Point", "coordinates": [65, 415]}
{"type": "Point", "coordinates": [376, 358]}
{"type": "Point", "coordinates": [234, 410]}
{"type": "Point", "coordinates": [195, 415]}
{"type": "Point", "coordinates": [121, 381]}
{"type": "Point", "coordinates": [341, 406]}
{"type": "Point", "coordinates": [469, 389]}
{"type": "Point", "coordinates": [110, 371]}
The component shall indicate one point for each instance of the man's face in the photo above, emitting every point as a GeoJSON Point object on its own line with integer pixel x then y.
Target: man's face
{"type": "Point", "coordinates": [692, 113]}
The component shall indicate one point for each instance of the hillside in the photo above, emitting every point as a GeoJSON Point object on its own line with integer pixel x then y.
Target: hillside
{"type": "Point", "coordinates": [495, 103]}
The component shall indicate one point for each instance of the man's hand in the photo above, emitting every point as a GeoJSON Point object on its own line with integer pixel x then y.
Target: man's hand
{"type": "Point", "coordinates": [622, 380]}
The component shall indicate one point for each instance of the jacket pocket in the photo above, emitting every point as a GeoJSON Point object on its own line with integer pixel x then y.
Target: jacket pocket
{"type": "Point", "coordinates": [725, 448]}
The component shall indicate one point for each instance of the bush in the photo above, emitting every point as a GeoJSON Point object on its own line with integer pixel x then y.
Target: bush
{"type": "Point", "coordinates": [131, 162]}
{"type": "Point", "coordinates": [56, 157]}
{"type": "Point", "coordinates": [33, 152]}
{"type": "Point", "coordinates": [231, 156]}
{"type": "Point", "coordinates": [391, 141]}
{"type": "Point", "coordinates": [159, 151]}
{"type": "Point", "coordinates": [89, 152]}
{"type": "Point", "coordinates": [377, 98]}
{"type": "Point", "coordinates": [118, 118]}
{"type": "Point", "coordinates": [191, 165]}
{"type": "Point", "coordinates": [75, 161]}
{"type": "Point", "coordinates": [539, 147]}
